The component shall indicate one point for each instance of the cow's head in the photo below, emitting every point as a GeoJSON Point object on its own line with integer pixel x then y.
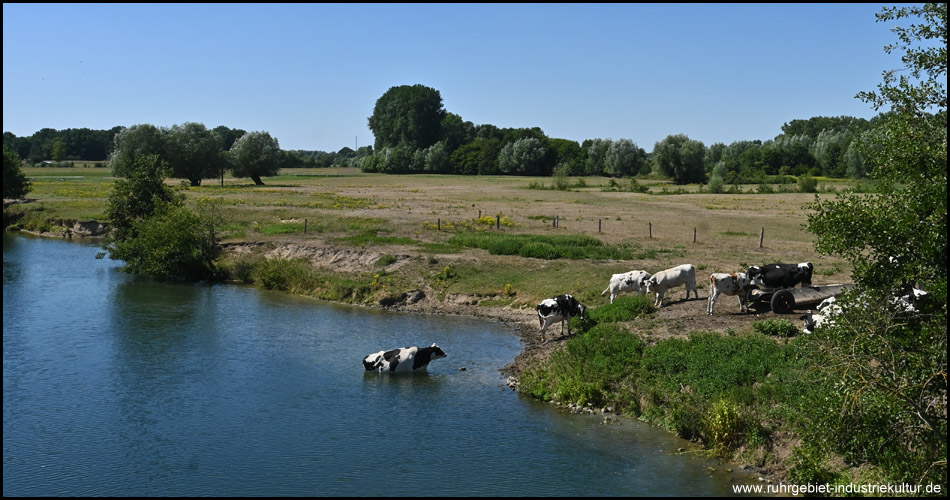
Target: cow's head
{"type": "Point", "coordinates": [648, 284]}
{"type": "Point", "coordinates": [580, 310]}
{"type": "Point", "coordinates": [742, 280]}
{"type": "Point", "coordinates": [437, 353]}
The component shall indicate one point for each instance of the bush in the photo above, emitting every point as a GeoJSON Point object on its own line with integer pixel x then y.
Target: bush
{"type": "Point", "coordinates": [775, 328]}
{"type": "Point", "coordinates": [807, 184]}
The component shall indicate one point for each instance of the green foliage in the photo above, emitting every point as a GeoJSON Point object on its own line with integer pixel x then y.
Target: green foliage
{"type": "Point", "coordinates": [781, 328]}
{"type": "Point", "coordinates": [139, 195]}
{"type": "Point", "coordinates": [883, 371]}
{"type": "Point", "coordinates": [255, 155]}
{"type": "Point", "coordinates": [408, 116]}
{"type": "Point", "coordinates": [152, 230]}
{"type": "Point", "coordinates": [174, 243]}
{"type": "Point", "coordinates": [713, 365]}
{"type": "Point", "coordinates": [134, 143]}
{"type": "Point", "coordinates": [725, 426]}
{"type": "Point", "coordinates": [193, 152]}
{"type": "Point", "coordinates": [680, 158]}
{"type": "Point", "coordinates": [548, 247]}
{"type": "Point", "coordinates": [807, 184]}
{"type": "Point", "coordinates": [808, 465]}
{"type": "Point", "coordinates": [15, 183]}
{"type": "Point", "coordinates": [624, 308]}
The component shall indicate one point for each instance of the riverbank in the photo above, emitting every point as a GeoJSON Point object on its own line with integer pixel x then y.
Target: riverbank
{"type": "Point", "coordinates": [429, 296]}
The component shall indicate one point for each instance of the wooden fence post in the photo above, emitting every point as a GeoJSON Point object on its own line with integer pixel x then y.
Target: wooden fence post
{"type": "Point", "coordinates": [761, 237]}
{"type": "Point", "coordinates": [497, 222]}
{"type": "Point", "coordinates": [598, 225]}
{"type": "Point", "coordinates": [305, 226]}
{"type": "Point", "coordinates": [651, 230]}
{"type": "Point", "coordinates": [694, 234]}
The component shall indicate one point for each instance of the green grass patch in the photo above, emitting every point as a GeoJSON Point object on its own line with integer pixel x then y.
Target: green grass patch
{"type": "Point", "coordinates": [367, 238]}
{"type": "Point", "coordinates": [550, 247]}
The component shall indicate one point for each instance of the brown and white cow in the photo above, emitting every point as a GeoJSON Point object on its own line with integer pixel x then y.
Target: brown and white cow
{"type": "Point", "coordinates": [662, 281]}
{"type": "Point", "coordinates": [735, 284]}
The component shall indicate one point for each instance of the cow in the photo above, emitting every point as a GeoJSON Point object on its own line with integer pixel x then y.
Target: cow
{"type": "Point", "coordinates": [626, 282]}
{"type": "Point", "coordinates": [828, 309]}
{"type": "Point", "coordinates": [662, 281]}
{"type": "Point", "coordinates": [404, 359]}
{"type": "Point", "coordinates": [736, 284]}
{"type": "Point", "coordinates": [781, 275]}
{"type": "Point", "coordinates": [561, 308]}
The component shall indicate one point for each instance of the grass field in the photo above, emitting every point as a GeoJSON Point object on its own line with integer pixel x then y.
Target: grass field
{"type": "Point", "coordinates": [441, 217]}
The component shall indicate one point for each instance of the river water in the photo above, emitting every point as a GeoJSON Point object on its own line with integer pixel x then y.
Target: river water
{"type": "Point", "coordinates": [116, 385]}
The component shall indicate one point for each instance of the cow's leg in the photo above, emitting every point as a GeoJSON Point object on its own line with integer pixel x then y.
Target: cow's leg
{"type": "Point", "coordinates": [711, 303]}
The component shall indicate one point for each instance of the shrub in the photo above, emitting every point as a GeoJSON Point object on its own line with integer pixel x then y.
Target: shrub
{"type": "Point", "coordinates": [775, 327]}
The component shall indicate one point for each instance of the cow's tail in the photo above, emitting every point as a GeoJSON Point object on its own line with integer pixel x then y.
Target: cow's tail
{"type": "Point", "coordinates": [605, 291]}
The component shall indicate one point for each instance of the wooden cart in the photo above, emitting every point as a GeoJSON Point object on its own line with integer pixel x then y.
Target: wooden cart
{"type": "Point", "coordinates": [786, 300]}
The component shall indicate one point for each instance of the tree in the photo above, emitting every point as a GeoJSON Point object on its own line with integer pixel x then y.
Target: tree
{"type": "Point", "coordinates": [134, 142]}
{"type": "Point", "coordinates": [255, 155]}
{"type": "Point", "coordinates": [624, 158]}
{"type": "Point", "coordinates": [193, 152]}
{"type": "Point", "coordinates": [596, 155]}
{"type": "Point", "coordinates": [887, 364]}
{"type": "Point", "coordinates": [407, 115]}
{"type": "Point", "coordinates": [15, 183]}
{"type": "Point", "coordinates": [681, 158]}
{"type": "Point", "coordinates": [138, 195]}
{"type": "Point", "coordinates": [522, 157]}
{"type": "Point", "coordinates": [153, 232]}
{"type": "Point", "coordinates": [174, 243]}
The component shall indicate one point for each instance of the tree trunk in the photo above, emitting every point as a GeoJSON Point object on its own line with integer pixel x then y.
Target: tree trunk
{"type": "Point", "coordinates": [257, 180]}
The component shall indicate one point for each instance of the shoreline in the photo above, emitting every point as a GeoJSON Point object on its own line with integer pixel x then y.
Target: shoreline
{"type": "Point", "coordinates": [424, 301]}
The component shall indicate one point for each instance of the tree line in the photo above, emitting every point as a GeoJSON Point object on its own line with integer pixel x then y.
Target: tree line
{"type": "Point", "coordinates": [414, 133]}
{"type": "Point", "coordinates": [192, 151]}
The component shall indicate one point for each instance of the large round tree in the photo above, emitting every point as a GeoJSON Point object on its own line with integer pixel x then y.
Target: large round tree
{"type": "Point", "coordinates": [407, 115]}
{"type": "Point", "coordinates": [255, 155]}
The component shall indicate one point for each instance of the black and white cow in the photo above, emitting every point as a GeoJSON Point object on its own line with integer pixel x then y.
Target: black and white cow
{"type": "Point", "coordinates": [781, 275]}
{"type": "Point", "coordinates": [404, 359]}
{"type": "Point", "coordinates": [626, 282]}
{"type": "Point", "coordinates": [828, 309]}
{"type": "Point", "coordinates": [736, 284]}
{"type": "Point", "coordinates": [662, 281]}
{"type": "Point", "coordinates": [561, 308]}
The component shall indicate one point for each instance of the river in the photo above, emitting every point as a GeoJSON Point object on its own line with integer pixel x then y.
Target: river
{"type": "Point", "coordinates": [117, 385]}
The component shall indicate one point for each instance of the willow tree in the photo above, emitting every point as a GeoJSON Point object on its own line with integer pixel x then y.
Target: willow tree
{"type": "Point", "coordinates": [255, 155]}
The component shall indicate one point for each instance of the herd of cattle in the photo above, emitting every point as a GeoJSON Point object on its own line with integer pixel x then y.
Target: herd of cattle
{"type": "Point", "coordinates": [564, 308]}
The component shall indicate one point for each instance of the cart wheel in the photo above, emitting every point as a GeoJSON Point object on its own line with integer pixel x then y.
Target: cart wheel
{"type": "Point", "coordinates": [783, 302]}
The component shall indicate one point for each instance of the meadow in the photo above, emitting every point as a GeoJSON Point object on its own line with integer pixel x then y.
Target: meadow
{"type": "Point", "coordinates": [508, 239]}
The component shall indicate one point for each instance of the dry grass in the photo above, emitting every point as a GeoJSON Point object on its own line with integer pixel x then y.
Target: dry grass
{"type": "Point", "coordinates": [727, 226]}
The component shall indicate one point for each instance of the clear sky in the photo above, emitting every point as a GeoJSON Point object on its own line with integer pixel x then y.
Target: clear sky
{"type": "Point", "coordinates": [310, 74]}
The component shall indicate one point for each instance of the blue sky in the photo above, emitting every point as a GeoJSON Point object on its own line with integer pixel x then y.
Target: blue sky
{"type": "Point", "coordinates": [310, 74]}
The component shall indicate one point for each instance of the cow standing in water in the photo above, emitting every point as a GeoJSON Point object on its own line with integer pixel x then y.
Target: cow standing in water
{"type": "Point", "coordinates": [561, 308]}
{"type": "Point", "coordinates": [404, 359]}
